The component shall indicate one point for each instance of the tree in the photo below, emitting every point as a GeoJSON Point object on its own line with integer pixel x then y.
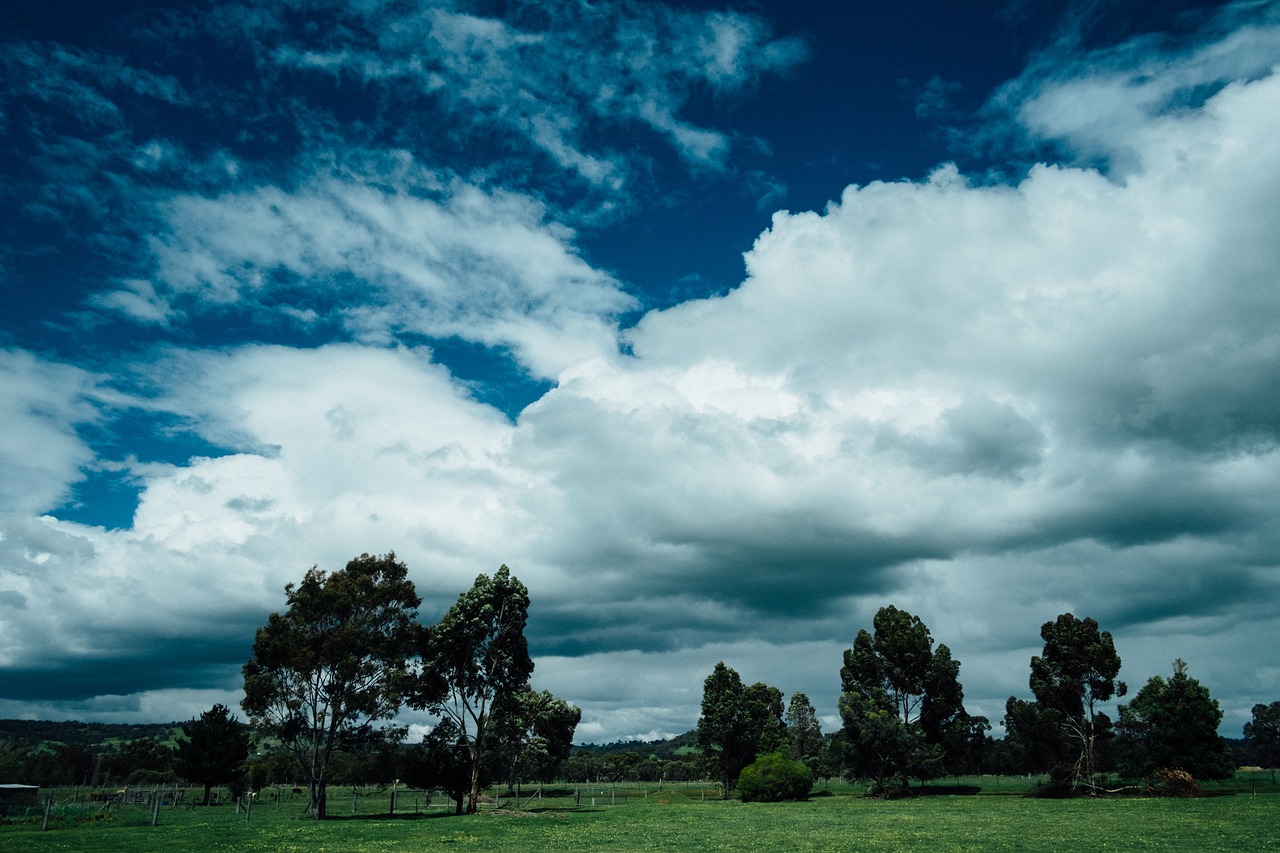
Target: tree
{"type": "Point", "coordinates": [1174, 725]}
{"type": "Point", "coordinates": [1263, 734]}
{"type": "Point", "coordinates": [442, 762]}
{"type": "Point", "coordinates": [1074, 675]}
{"type": "Point", "coordinates": [474, 660]}
{"type": "Point", "coordinates": [805, 731]}
{"type": "Point", "coordinates": [738, 723]}
{"type": "Point", "coordinates": [534, 734]}
{"type": "Point", "coordinates": [213, 750]}
{"type": "Point", "coordinates": [900, 699]}
{"type": "Point", "coordinates": [334, 663]}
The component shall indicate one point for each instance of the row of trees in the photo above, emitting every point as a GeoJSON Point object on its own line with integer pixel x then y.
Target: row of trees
{"type": "Point", "coordinates": [349, 653]}
{"type": "Point", "coordinates": [903, 717]}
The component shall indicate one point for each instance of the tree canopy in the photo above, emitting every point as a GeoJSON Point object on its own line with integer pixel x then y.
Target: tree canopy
{"type": "Point", "coordinates": [1074, 674]}
{"type": "Point", "coordinates": [738, 723]}
{"type": "Point", "coordinates": [475, 660]}
{"type": "Point", "coordinates": [1263, 734]}
{"type": "Point", "coordinates": [334, 663]}
{"type": "Point", "coordinates": [900, 699]}
{"type": "Point", "coordinates": [1173, 725]}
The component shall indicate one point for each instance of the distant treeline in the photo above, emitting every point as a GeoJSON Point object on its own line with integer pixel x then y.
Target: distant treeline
{"type": "Point", "coordinates": [76, 733]}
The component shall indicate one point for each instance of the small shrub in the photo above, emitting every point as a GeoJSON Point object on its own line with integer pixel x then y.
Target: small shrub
{"type": "Point", "coordinates": [773, 778]}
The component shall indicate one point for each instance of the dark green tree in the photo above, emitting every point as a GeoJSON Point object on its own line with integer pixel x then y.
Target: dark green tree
{"type": "Point", "coordinates": [475, 660]}
{"type": "Point", "coordinates": [334, 663]}
{"type": "Point", "coordinates": [213, 749]}
{"type": "Point", "coordinates": [738, 723]}
{"type": "Point", "coordinates": [1263, 734]}
{"type": "Point", "coordinates": [901, 699]}
{"type": "Point", "coordinates": [442, 762]}
{"type": "Point", "coordinates": [805, 731]}
{"type": "Point", "coordinates": [1073, 676]}
{"type": "Point", "coordinates": [1173, 725]}
{"type": "Point", "coordinates": [1033, 737]}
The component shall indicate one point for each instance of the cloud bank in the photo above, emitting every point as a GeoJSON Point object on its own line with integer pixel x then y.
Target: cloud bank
{"type": "Point", "coordinates": [985, 401]}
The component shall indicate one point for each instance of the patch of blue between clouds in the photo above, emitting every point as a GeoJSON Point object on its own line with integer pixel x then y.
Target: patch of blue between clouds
{"type": "Point", "coordinates": [108, 494]}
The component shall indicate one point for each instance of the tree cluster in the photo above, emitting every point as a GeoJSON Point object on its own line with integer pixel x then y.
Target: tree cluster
{"type": "Point", "coordinates": [1167, 732]}
{"type": "Point", "coordinates": [349, 652]}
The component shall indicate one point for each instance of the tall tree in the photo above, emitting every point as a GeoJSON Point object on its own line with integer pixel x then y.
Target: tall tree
{"type": "Point", "coordinates": [214, 749]}
{"type": "Point", "coordinates": [900, 698]}
{"type": "Point", "coordinates": [805, 732]}
{"type": "Point", "coordinates": [334, 663]}
{"type": "Point", "coordinates": [475, 660]}
{"type": "Point", "coordinates": [1263, 734]}
{"type": "Point", "coordinates": [1174, 724]}
{"type": "Point", "coordinates": [1073, 676]}
{"type": "Point", "coordinates": [738, 723]}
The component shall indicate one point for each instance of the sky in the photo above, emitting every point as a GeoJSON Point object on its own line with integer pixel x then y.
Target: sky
{"type": "Point", "coordinates": [722, 325]}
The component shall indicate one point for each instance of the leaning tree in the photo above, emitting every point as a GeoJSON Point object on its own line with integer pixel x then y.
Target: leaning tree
{"type": "Point", "coordinates": [334, 663]}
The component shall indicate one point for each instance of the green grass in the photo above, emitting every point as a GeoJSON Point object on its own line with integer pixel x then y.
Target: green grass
{"type": "Point", "coordinates": [678, 819]}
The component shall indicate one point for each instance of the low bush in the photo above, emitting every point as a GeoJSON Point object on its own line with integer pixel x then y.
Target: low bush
{"type": "Point", "coordinates": [773, 778]}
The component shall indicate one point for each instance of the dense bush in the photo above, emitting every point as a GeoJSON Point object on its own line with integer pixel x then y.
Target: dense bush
{"type": "Point", "coordinates": [773, 778]}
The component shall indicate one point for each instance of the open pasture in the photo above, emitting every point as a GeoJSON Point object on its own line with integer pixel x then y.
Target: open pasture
{"type": "Point", "coordinates": [983, 818]}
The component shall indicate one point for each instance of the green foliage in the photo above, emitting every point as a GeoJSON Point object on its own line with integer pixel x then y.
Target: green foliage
{"type": "Point", "coordinates": [1075, 673]}
{"type": "Point", "coordinates": [805, 731]}
{"type": "Point", "coordinates": [773, 778]}
{"type": "Point", "coordinates": [738, 723]}
{"type": "Point", "coordinates": [1173, 724]}
{"type": "Point", "coordinates": [441, 762]}
{"type": "Point", "coordinates": [1263, 734]}
{"type": "Point", "coordinates": [901, 701]}
{"type": "Point", "coordinates": [474, 662]}
{"type": "Point", "coordinates": [335, 662]}
{"type": "Point", "coordinates": [213, 750]}
{"type": "Point", "coordinates": [532, 734]}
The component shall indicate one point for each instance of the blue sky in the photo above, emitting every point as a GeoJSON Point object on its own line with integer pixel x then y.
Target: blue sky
{"type": "Point", "coordinates": [722, 325]}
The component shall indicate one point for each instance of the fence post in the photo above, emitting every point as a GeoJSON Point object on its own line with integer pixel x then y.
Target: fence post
{"type": "Point", "coordinates": [48, 805]}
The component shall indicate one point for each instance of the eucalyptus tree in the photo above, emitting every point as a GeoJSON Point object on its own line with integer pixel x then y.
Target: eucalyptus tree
{"type": "Point", "coordinates": [900, 699]}
{"type": "Point", "coordinates": [334, 663]}
{"type": "Point", "coordinates": [1073, 676]}
{"type": "Point", "coordinates": [738, 723]}
{"type": "Point", "coordinates": [474, 661]}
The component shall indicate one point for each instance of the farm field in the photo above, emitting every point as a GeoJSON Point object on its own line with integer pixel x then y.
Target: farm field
{"type": "Point", "coordinates": [985, 818]}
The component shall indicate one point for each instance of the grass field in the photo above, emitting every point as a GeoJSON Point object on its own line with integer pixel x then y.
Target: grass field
{"type": "Point", "coordinates": [985, 818]}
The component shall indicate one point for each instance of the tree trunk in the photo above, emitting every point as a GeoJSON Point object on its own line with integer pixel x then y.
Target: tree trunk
{"type": "Point", "coordinates": [208, 792]}
{"type": "Point", "coordinates": [473, 798]}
